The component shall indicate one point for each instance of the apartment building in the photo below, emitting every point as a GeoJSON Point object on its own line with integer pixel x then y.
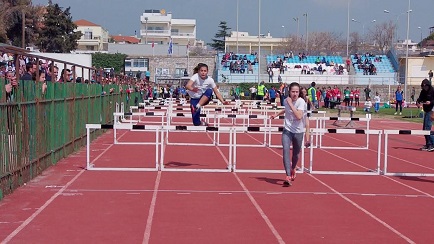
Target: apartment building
{"type": "Point", "coordinates": [159, 27]}
{"type": "Point", "coordinates": [94, 39]}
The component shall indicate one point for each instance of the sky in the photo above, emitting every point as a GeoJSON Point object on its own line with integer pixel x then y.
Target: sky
{"type": "Point", "coordinates": [123, 16]}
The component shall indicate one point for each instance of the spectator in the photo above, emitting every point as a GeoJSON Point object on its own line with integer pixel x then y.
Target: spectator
{"type": "Point", "coordinates": [368, 105]}
{"type": "Point", "coordinates": [430, 75]}
{"type": "Point", "coordinates": [29, 72]}
{"type": "Point", "coordinates": [426, 99]}
{"type": "Point", "coordinates": [398, 100]}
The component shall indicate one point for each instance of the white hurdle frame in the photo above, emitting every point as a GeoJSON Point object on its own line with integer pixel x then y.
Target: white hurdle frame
{"type": "Point", "coordinates": [90, 166]}
{"type": "Point", "coordinates": [346, 131]}
{"type": "Point", "coordinates": [386, 150]}
{"type": "Point", "coordinates": [265, 129]}
{"type": "Point", "coordinates": [199, 129]}
{"type": "Point", "coordinates": [187, 115]}
{"type": "Point", "coordinates": [244, 117]}
{"type": "Point", "coordinates": [320, 124]}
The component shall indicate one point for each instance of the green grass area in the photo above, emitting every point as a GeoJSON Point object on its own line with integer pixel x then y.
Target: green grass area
{"type": "Point", "coordinates": [386, 113]}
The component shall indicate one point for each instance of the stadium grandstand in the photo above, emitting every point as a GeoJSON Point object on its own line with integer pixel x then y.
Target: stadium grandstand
{"type": "Point", "coordinates": [326, 69]}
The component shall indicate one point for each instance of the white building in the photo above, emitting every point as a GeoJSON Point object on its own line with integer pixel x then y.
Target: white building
{"type": "Point", "coordinates": [158, 27]}
{"type": "Point", "coordinates": [94, 38]}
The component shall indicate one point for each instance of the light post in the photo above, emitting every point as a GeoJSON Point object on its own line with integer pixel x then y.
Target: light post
{"type": "Point", "coordinates": [348, 26]}
{"type": "Point", "coordinates": [406, 52]}
{"type": "Point", "coordinates": [259, 41]}
{"type": "Point", "coordinates": [307, 30]}
{"type": "Point", "coordinates": [420, 28]}
{"type": "Point", "coordinates": [363, 28]}
{"type": "Point", "coordinates": [296, 19]}
{"type": "Point", "coordinates": [284, 31]}
{"type": "Point", "coordinates": [238, 2]}
{"type": "Point", "coordinates": [395, 29]}
{"type": "Point", "coordinates": [146, 30]}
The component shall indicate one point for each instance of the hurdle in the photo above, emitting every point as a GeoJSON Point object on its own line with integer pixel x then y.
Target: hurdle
{"type": "Point", "coordinates": [282, 117]}
{"type": "Point", "coordinates": [199, 129]}
{"type": "Point", "coordinates": [244, 117]}
{"type": "Point", "coordinates": [345, 108]}
{"type": "Point", "coordinates": [153, 128]}
{"type": "Point", "coordinates": [116, 115]}
{"type": "Point", "coordinates": [170, 116]}
{"type": "Point", "coordinates": [264, 129]}
{"type": "Point", "coordinates": [376, 171]}
{"type": "Point", "coordinates": [320, 124]}
{"type": "Point", "coordinates": [386, 151]}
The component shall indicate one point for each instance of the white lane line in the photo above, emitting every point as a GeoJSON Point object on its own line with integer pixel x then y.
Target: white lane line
{"type": "Point", "coordinates": [255, 204]}
{"type": "Point", "coordinates": [361, 208]}
{"type": "Point", "coordinates": [49, 201]}
{"type": "Point", "coordinates": [364, 211]}
{"type": "Point", "coordinates": [147, 234]}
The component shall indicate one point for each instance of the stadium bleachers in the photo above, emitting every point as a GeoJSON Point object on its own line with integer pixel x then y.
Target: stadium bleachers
{"type": "Point", "coordinates": [308, 59]}
{"type": "Point", "coordinates": [383, 66]}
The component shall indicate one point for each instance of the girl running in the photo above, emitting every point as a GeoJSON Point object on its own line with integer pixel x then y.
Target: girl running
{"type": "Point", "coordinates": [200, 88]}
{"type": "Point", "coordinates": [293, 132]}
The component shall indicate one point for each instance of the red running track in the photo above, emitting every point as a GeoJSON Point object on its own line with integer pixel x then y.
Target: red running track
{"type": "Point", "coordinates": [70, 205]}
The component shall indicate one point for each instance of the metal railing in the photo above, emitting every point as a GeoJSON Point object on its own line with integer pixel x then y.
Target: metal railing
{"type": "Point", "coordinates": [37, 130]}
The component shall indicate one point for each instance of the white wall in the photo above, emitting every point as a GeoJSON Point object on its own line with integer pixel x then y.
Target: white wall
{"type": "Point", "coordinates": [77, 59]}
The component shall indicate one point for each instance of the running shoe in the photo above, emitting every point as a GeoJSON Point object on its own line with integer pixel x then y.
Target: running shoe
{"type": "Point", "coordinates": [286, 183]}
{"type": "Point", "coordinates": [293, 174]}
{"type": "Point", "coordinates": [424, 148]}
{"type": "Point", "coordinates": [430, 149]}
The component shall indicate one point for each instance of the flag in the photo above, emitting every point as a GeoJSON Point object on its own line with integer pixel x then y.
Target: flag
{"type": "Point", "coordinates": [153, 43]}
{"type": "Point", "coordinates": [170, 51]}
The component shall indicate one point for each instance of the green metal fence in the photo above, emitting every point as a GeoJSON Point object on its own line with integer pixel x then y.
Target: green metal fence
{"type": "Point", "coordinates": [37, 130]}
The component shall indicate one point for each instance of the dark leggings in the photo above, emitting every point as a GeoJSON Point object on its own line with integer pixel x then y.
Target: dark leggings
{"type": "Point", "coordinates": [400, 106]}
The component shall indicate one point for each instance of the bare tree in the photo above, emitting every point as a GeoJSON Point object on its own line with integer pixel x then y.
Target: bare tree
{"type": "Point", "coordinates": [382, 35]}
{"type": "Point", "coordinates": [355, 42]}
{"type": "Point", "coordinates": [325, 42]}
{"type": "Point", "coordinates": [291, 43]}
{"type": "Point", "coordinates": [197, 51]}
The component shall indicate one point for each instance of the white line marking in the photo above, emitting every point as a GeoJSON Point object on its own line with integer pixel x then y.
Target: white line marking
{"type": "Point", "coordinates": [225, 193]}
{"type": "Point", "coordinates": [365, 211]}
{"type": "Point", "coordinates": [255, 204]}
{"type": "Point", "coordinates": [183, 193]}
{"type": "Point", "coordinates": [387, 177]}
{"type": "Point", "coordinates": [48, 202]}
{"type": "Point", "coordinates": [133, 193]}
{"type": "Point", "coordinates": [147, 234]}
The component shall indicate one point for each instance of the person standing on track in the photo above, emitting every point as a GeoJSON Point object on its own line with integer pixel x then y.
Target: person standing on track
{"type": "Point", "coordinates": [293, 132]}
{"type": "Point", "coordinates": [200, 88]}
{"type": "Point", "coordinates": [426, 99]}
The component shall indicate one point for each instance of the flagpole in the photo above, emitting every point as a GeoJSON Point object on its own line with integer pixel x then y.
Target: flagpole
{"type": "Point", "coordinates": [188, 54]}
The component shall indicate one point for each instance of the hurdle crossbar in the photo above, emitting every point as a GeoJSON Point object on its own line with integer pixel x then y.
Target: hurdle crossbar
{"type": "Point", "coordinates": [90, 166]}
{"type": "Point", "coordinates": [386, 151]}
{"type": "Point", "coordinates": [376, 171]}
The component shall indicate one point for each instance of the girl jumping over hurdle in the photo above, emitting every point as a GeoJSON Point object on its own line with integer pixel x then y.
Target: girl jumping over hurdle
{"type": "Point", "coordinates": [293, 132]}
{"type": "Point", "coordinates": [200, 88]}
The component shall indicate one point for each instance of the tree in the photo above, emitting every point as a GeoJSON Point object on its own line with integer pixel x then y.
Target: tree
{"type": "Point", "coordinates": [382, 35]}
{"type": "Point", "coordinates": [11, 24]}
{"type": "Point", "coordinates": [105, 60]}
{"type": "Point", "coordinates": [325, 42]}
{"type": "Point", "coordinates": [219, 40]}
{"type": "Point", "coordinates": [291, 43]}
{"type": "Point", "coordinates": [355, 42]}
{"type": "Point", "coordinates": [57, 33]}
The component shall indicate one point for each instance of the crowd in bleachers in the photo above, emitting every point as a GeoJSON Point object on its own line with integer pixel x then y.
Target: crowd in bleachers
{"type": "Point", "coordinates": [370, 64]}
{"type": "Point", "coordinates": [239, 63]}
{"type": "Point", "coordinates": [304, 64]}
